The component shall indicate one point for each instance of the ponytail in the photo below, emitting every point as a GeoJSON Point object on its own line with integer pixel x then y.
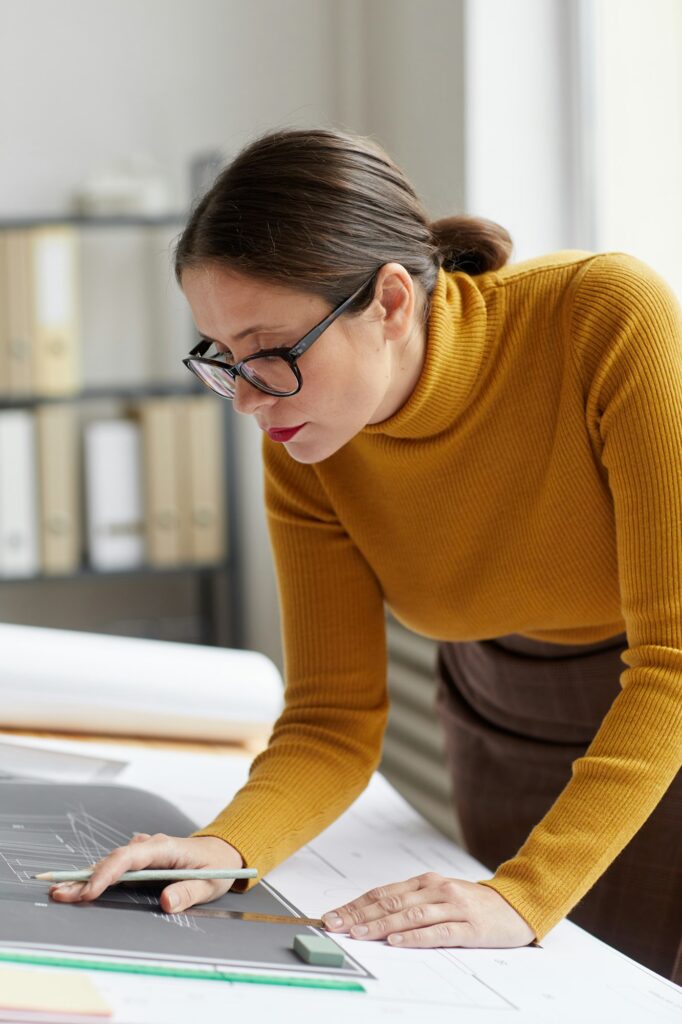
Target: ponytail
{"type": "Point", "coordinates": [473, 245]}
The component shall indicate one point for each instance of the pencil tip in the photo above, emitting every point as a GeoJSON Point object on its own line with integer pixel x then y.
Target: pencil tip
{"type": "Point", "coordinates": [46, 875]}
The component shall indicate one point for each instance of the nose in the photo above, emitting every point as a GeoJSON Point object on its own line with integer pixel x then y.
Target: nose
{"type": "Point", "coordinates": [248, 399]}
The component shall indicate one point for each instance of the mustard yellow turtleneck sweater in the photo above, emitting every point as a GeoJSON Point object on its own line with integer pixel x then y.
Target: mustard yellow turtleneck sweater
{"type": "Point", "coordinates": [531, 484]}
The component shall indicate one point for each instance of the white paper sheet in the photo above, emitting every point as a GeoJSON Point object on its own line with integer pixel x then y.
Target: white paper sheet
{"type": "Point", "coordinates": [29, 761]}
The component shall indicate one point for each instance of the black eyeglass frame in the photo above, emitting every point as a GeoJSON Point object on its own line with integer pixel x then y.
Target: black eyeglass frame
{"type": "Point", "coordinates": [289, 355]}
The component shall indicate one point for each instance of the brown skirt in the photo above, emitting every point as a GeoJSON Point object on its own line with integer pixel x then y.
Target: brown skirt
{"type": "Point", "coordinates": [516, 714]}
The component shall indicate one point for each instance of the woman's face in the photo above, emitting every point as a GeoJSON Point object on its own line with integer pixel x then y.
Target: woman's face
{"type": "Point", "coordinates": [360, 370]}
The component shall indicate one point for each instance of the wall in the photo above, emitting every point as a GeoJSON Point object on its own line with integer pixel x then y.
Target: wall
{"type": "Point", "coordinates": [82, 84]}
{"type": "Point", "coordinates": [401, 79]}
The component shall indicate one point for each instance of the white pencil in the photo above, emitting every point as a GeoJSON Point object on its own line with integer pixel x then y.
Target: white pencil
{"type": "Point", "coordinates": [151, 875]}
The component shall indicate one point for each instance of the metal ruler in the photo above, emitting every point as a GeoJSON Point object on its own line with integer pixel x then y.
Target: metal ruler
{"type": "Point", "coordinates": [217, 912]}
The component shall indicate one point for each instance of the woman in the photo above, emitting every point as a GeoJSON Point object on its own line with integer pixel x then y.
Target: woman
{"type": "Point", "coordinates": [494, 451]}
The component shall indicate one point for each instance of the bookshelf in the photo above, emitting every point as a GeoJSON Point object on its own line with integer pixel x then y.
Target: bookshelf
{"type": "Point", "coordinates": [215, 579]}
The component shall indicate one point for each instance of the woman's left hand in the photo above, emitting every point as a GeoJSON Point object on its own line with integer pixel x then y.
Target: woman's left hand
{"type": "Point", "coordinates": [430, 910]}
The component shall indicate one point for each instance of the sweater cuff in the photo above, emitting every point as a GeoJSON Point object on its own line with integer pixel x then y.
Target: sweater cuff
{"type": "Point", "coordinates": [239, 884]}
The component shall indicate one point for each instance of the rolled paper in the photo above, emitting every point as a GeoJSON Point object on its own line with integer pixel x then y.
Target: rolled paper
{"type": "Point", "coordinates": [69, 681]}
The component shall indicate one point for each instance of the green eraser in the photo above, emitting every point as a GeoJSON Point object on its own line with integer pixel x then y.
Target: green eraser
{"type": "Point", "coordinates": [317, 950]}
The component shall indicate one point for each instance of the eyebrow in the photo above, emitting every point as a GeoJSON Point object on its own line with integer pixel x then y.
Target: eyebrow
{"type": "Point", "coordinates": [258, 329]}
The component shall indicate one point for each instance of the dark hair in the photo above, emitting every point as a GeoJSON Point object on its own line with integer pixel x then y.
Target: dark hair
{"type": "Point", "coordinates": [319, 210]}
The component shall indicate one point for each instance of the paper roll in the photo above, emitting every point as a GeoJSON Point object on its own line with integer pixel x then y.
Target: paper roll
{"type": "Point", "coordinates": [69, 681]}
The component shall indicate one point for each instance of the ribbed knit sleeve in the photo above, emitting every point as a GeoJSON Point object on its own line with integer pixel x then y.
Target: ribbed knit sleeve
{"type": "Point", "coordinates": [627, 339]}
{"type": "Point", "coordinates": [327, 742]}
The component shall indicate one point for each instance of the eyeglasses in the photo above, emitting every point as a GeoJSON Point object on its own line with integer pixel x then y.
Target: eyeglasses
{"type": "Point", "coordinates": [274, 370]}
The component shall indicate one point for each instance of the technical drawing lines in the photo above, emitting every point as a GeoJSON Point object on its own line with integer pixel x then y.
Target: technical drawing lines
{"type": "Point", "coordinates": [63, 842]}
{"type": "Point", "coordinates": [37, 842]}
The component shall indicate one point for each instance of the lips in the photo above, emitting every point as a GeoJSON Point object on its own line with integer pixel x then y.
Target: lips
{"type": "Point", "coordinates": [283, 434]}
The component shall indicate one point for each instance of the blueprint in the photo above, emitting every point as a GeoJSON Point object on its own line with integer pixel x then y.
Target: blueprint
{"type": "Point", "coordinates": [67, 827]}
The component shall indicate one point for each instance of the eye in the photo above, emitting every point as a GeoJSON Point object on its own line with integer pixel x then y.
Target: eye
{"type": "Point", "coordinates": [218, 351]}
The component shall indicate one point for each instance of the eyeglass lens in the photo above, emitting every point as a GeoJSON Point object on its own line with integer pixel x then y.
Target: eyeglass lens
{"type": "Point", "coordinates": [214, 377]}
{"type": "Point", "coordinates": [271, 374]}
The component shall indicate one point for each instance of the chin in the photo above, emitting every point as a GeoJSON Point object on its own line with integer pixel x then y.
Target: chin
{"type": "Point", "coordinates": [310, 452]}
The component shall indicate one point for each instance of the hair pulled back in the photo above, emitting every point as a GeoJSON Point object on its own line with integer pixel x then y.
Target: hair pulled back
{"type": "Point", "coordinates": [320, 210]}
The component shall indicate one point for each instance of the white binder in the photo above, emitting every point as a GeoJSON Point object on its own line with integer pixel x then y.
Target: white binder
{"type": "Point", "coordinates": [19, 548]}
{"type": "Point", "coordinates": [56, 344]}
{"type": "Point", "coordinates": [115, 527]}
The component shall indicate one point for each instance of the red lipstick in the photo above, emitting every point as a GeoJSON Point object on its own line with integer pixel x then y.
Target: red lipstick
{"type": "Point", "coordinates": [284, 433]}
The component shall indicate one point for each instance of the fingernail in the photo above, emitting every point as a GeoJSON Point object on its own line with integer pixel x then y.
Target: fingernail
{"type": "Point", "coordinates": [359, 929]}
{"type": "Point", "coordinates": [70, 888]}
{"type": "Point", "coordinates": [173, 901]}
{"type": "Point", "coordinates": [332, 920]}
{"type": "Point", "coordinates": [395, 940]}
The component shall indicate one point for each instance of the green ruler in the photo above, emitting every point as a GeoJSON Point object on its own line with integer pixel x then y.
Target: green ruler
{"type": "Point", "coordinates": [123, 967]}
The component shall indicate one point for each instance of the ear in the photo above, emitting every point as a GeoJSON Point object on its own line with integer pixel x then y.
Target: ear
{"type": "Point", "coordinates": [395, 301]}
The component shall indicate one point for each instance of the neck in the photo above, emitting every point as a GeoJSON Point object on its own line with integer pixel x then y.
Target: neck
{"type": "Point", "coordinates": [406, 369]}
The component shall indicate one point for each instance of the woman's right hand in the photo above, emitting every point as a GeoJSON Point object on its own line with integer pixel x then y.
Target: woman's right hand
{"type": "Point", "coordinates": [160, 851]}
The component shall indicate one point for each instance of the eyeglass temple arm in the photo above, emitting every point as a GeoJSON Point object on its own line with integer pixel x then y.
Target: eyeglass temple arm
{"type": "Point", "coordinates": [306, 341]}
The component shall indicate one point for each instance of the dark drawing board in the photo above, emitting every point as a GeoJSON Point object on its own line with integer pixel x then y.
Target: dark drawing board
{"type": "Point", "coordinates": [68, 827]}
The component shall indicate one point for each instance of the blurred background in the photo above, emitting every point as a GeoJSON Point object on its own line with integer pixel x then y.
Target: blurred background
{"type": "Point", "coordinates": [560, 119]}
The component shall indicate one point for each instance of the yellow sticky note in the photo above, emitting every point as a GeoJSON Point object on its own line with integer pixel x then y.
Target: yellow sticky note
{"type": "Point", "coordinates": [28, 994]}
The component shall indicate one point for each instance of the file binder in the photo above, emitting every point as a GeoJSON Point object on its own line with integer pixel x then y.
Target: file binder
{"type": "Point", "coordinates": [19, 284]}
{"type": "Point", "coordinates": [202, 444]}
{"type": "Point", "coordinates": [115, 528]}
{"type": "Point", "coordinates": [4, 317]}
{"type": "Point", "coordinates": [19, 552]}
{"type": "Point", "coordinates": [162, 482]}
{"type": "Point", "coordinates": [59, 488]}
{"type": "Point", "coordinates": [56, 354]}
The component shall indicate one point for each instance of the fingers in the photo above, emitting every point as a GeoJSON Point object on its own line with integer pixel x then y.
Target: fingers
{"type": "Point", "coordinates": [392, 906]}
{"type": "Point", "coordinates": [180, 896]}
{"type": "Point", "coordinates": [352, 913]}
{"type": "Point", "coordinates": [160, 851]}
{"type": "Point", "coordinates": [67, 892]}
{"type": "Point", "coordinates": [446, 933]}
{"type": "Point", "coordinates": [140, 853]}
{"type": "Point", "coordinates": [426, 911]}
{"type": "Point", "coordinates": [419, 916]}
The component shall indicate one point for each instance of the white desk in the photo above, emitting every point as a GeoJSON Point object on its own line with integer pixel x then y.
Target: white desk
{"type": "Point", "coordinates": [572, 977]}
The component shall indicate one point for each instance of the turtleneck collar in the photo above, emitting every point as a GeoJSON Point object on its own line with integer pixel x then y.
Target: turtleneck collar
{"type": "Point", "coordinates": [456, 346]}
